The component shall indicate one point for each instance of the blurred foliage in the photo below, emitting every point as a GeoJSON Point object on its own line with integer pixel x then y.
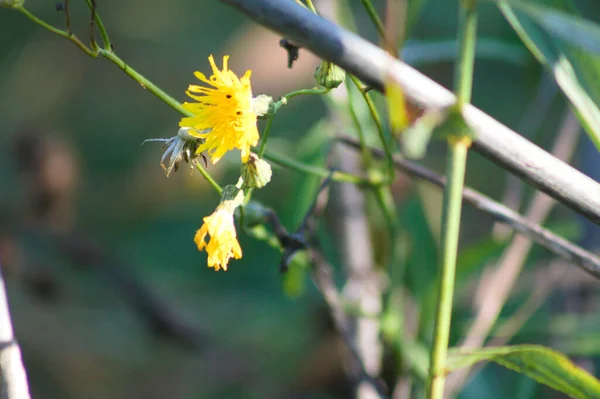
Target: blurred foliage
{"type": "Point", "coordinates": [72, 128]}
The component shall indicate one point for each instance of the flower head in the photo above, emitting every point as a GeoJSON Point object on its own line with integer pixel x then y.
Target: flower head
{"type": "Point", "coordinates": [223, 114]}
{"type": "Point", "coordinates": [223, 244]}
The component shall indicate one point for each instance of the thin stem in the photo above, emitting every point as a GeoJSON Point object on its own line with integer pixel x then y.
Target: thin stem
{"type": "Point", "coordinates": [67, 17]}
{"type": "Point", "coordinates": [457, 158]}
{"type": "Point", "coordinates": [316, 171]}
{"type": "Point", "coordinates": [467, 35]}
{"type": "Point", "coordinates": [377, 119]}
{"type": "Point", "coordinates": [208, 178]}
{"type": "Point", "coordinates": [455, 175]}
{"type": "Point", "coordinates": [100, 25]}
{"type": "Point", "coordinates": [374, 17]}
{"type": "Point", "coordinates": [93, 43]}
{"type": "Point", "coordinates": [366, 154]}
{"type": "Point", "coordinates": [302, 92]}
{"type": "Point", "coordinates": [265, 136]}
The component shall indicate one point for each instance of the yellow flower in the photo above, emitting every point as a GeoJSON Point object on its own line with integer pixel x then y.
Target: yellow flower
{"type": "Point", "coordinates": [223, 244]}
{"type": "Point", "coordinates": [223, 114]}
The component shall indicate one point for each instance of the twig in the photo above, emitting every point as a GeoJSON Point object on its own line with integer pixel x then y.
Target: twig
{"type": "Point", "coordinates": [13, 379]}
{"type": "Point", "coordinates": [544, 237]}
{"type": "Point", "coordinates": [92, 20]}
{"type": "Point", "coordinates": [373, 65]}
{"type": "Point", "coordinates": [67, 17]}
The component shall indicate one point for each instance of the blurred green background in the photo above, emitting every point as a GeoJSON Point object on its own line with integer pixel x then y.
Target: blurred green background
{"type": "Point", "coordinates": [96, 242]}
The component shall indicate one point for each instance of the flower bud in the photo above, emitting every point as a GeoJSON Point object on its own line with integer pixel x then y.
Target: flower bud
{"type": "Point", "coordinates": [256, 172]}
{"type": "Point", "coordinates": [329, 75]}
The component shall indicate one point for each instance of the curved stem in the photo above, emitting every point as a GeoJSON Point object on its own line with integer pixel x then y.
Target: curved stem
{"type": "Point", "coordinates": [100, 26]}
{"type": "Point", "coordinates": [302, 92]}
{"type": "Point", "coordinates": [377, 119]}
{"type": "Point", "coordinates": [265, 136]}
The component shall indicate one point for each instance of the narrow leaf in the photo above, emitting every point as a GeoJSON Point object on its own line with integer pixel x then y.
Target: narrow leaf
{"type": "Point", "coordinates": [544, 365]}
{"type": "Point", "coordinates": [572, 28]}
{"type": "Point", "coordinates": [576, 71]}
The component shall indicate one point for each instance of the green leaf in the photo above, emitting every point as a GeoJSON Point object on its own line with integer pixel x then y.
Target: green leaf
{"type": "Point", "coordinates": [544, 365]}
{"type": "Point", "coordinates": [564, 25]}
{"type": "Point", "coordinates": [577, 72]}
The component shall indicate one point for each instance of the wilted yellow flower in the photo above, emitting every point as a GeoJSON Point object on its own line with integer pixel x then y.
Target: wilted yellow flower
{"type": "Point", "coordinates": [223, 114]}
{"type": "Point", "coordinates": [223, 244]}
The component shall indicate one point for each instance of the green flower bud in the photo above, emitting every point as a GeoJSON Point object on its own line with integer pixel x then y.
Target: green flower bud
{"type": "Point", "coordinates": [256, 172]}
{"type": "Point", "coordinates": [329, 75]}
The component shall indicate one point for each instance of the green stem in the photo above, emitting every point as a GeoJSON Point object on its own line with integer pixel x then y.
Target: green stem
{"type": "Point", "coordinates": [316, 171]}
{"type": "Point", "coordinates": [455, 175]}
{"type": "Point", "coordinates": [377, 119]}
{"type": "Point", "coordinates": [302, 92]}
{"type": "Point", "coordinates": [208, 178]}
{"type": "Point", "coordinates": [457, 158]}
{"type": "Point", "coordinates": [366, 154]}
{"type": "Point", "coordinates": [265, 136]}
{"type": "Point", "coordinates": [100, 26]}
{"type": "Point", "coordinates": [467, 36]}
{"type": "Point", "coordinates": [374, 17]}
